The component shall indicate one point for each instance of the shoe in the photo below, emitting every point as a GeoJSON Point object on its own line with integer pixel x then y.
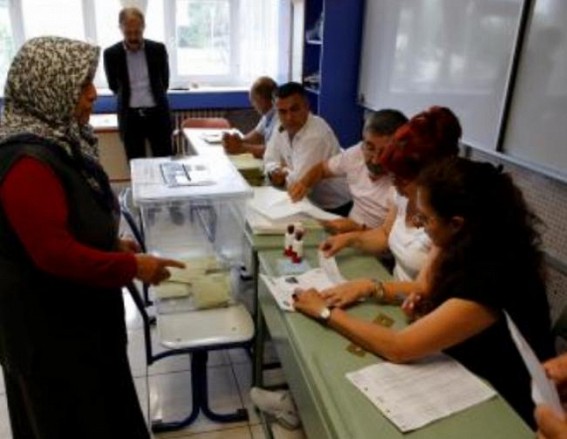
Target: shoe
{"type": "Point", "coordinates": [277, 404]}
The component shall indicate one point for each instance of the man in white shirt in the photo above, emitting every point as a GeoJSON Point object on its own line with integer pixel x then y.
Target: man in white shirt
{"type": "Point", "coordinates": [254, 142]}
{"type": "Point", "coordinates": [301, 141]}
{"type": "Point", "coordinates": [369, 185]}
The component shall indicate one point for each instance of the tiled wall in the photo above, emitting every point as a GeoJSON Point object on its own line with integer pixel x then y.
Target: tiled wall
{"type": "Point", "coordinates": [548, 198]}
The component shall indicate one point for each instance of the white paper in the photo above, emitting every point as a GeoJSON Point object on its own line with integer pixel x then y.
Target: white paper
{"type": "Point", "coordinates": [329, 266]}
{"type": "Point", "coordinates": [414, 395]}
{"type": "Point", "coordinates": [276, 205]}
{"type": "Point", "coordinates": [282, 288]}
{"type": "Point", "coordinates": [262, 225]}
{"type": "Point", "coordinates": [544, 390]}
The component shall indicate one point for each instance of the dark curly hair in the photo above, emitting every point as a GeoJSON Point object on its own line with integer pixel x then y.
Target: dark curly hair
{"type": "Point", "coordinates": [499, 231]}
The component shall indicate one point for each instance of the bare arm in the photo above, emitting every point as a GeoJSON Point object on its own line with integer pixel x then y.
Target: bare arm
{"type": "Point", "coordinates": [300, 188]}
{"type": "Point", "coordinates": [421, 285]}
{"type": "Point", "coordinates": [451, 323]}
{"type": "Point", "coordinates": [252, 143]}
{"type": "Point", "coordinates": [373, 241]}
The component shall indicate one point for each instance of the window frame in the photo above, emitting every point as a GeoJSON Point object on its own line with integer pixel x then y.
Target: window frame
{"type": "Point", "coordinates": [232, 79]}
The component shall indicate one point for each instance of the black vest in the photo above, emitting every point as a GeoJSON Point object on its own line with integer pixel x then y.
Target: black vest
{"type": "Point", "coordinates": [43, 316]}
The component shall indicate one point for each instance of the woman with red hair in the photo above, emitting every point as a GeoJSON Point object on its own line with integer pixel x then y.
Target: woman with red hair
{"type": "Point", "coordinates": [427, 137]}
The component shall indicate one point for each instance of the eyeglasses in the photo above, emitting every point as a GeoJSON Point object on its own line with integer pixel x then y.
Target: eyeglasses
{"type": "Point", "coordinates": [419, 219]}
{"type": "Point", "coordinates": [372, 150]}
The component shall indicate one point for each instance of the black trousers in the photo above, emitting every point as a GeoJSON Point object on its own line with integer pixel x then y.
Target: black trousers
{"type": "Point", "coordinates": [76, 398]}
{"type": "Point", "coordinates": [153, 124]}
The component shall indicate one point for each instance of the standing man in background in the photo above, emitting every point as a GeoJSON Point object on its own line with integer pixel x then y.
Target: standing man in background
{"type": "Point", "coordinates": [261, 97]}
{"type": "Point", "coordinates": [137, 71]}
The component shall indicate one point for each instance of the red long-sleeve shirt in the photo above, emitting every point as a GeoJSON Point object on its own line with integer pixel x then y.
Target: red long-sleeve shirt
{"type": "Point", "coordinates": [36, 207]}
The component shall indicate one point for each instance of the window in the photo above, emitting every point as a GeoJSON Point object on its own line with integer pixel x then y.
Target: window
{"type": "Point", "coordinates": [7, 45]}
{"type": "Point", "coordinates": [210, 42]}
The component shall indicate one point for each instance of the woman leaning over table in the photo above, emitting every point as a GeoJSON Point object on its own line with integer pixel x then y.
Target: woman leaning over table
{"type": "Point", "coordinates": [426, 137]}
{"type": "Point", "coordinates": [488, 263]}
{"type": "Point", "coordinates": [62, 266]}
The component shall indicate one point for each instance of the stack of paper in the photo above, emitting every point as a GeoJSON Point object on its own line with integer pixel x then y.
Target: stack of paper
{"type": "Point", "coordinates": [414, 395]}
{"type": "Point", "coordinates": [271, 210]}
{"type": "Point", "coordinates": [282, 288]}
{"type": "Point", "coordinates": [262, 225]}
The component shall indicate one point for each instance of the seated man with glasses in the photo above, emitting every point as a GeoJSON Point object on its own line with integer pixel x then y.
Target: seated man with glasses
{"type": "Point", "coordinates": [369, 185]}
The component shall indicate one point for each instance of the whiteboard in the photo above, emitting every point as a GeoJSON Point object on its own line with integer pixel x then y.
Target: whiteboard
{"type": "Point", "coordinates": [456, 53]}
{"type": "Point", "coordinates": [537, 128]}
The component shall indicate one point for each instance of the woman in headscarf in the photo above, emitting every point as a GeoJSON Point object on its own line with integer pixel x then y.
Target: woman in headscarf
{"type": "Point", "coordinates": [62, 265]}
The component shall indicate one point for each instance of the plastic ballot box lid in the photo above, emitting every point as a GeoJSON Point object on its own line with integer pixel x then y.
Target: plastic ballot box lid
{"type": "Point", "coordinates": [166, 180]}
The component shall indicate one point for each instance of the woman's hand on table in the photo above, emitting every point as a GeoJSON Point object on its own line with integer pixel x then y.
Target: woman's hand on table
{"type": "Point", "coordinates": [309, 302]}
{"type": "Point", "coordinates": [334, 244]}
{"type": "Point", "coordinates": [153, 270]}
{"type": "Point", "coordinates": [348, 293]}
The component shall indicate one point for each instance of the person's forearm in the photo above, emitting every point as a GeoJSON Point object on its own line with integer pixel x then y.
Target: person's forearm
{"type": "Point", "coordinates": [39, 219]}
{"type": "Point", "coordinates": [314, 175]}
{"type": "Point", "coordinates": [369, 336]}
{"type": "Point", "coordinates": [256, 150]}
{"type": "Point", "coordinates": [395, 292]}
{"type": "Point", "coordinates": [370, 241]}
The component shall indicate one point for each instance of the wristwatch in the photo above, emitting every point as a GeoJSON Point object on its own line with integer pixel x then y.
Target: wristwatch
{"type": "Point", "coordinates": [324, 314]}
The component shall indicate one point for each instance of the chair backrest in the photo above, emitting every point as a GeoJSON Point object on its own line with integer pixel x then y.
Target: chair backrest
{"type": "Point", "coordinates": [206, 122]}
{"type": "Point", "coordinates": [127, 208]}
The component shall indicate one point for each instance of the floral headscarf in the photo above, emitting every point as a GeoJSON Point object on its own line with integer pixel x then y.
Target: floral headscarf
{"type": "Point", "coordinates": [42, 90]}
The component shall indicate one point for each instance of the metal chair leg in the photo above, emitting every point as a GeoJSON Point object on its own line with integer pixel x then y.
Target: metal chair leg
{"type": "Point", "coordinates": [200, 388]}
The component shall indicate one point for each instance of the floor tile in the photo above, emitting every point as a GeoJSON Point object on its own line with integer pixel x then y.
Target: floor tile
{"type": "Point", "coordinates": [5, 431]}
{"type": "Point", "coordinates": [243, 373]}
{"type": "Point", "coordinates": [142, 391]}
{"type": "Point", "coordinates": [2, 388]}
{"type": "Point", "coordinates": [170, 399]}
{"type": "Point", "coordinates": [257, 432]}
{"type": "Point", "coordinates": [232, 433]}
{"type": "Point", "coordinates": [132, 315]}
{"type": "Point", "coordinates": [278, 432]}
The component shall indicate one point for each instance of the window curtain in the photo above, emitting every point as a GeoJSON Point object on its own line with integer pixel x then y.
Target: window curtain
{"type": "Point", "coordinates": [142, 5]}
{"type": "Point", "coordinates": [261, 39]}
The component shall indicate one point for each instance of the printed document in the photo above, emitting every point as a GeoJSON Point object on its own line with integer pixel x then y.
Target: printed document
{"type": "Point", "coordinates": [282, 288]}
{"type": "Point", "coordinates": [414, 395]}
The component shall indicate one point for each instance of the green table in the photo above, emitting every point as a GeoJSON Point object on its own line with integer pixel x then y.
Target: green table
{"type": "Point", "coordinates": [258, 243]}
{"type": "Point", "coordinates": [315, 361]}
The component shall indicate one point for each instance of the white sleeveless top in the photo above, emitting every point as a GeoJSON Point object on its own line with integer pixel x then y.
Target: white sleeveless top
{"type": "Point", "coordinates": [409, 245]}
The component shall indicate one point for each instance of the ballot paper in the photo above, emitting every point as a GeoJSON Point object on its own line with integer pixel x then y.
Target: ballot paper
{"type": "Point", "coordinates": [276, 205]}
{"type": "Point", "coordinates": [262, 225]}
{"type": "Point", "coordinates": [544, 390]}
{"type": "Point", "coordinates": [414, 395]}
{"type": "Point", "coordinates": [282, 288]}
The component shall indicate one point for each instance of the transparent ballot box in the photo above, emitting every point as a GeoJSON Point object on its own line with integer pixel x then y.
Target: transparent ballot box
{"type": "Point", "coordinates": [192, 209]}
